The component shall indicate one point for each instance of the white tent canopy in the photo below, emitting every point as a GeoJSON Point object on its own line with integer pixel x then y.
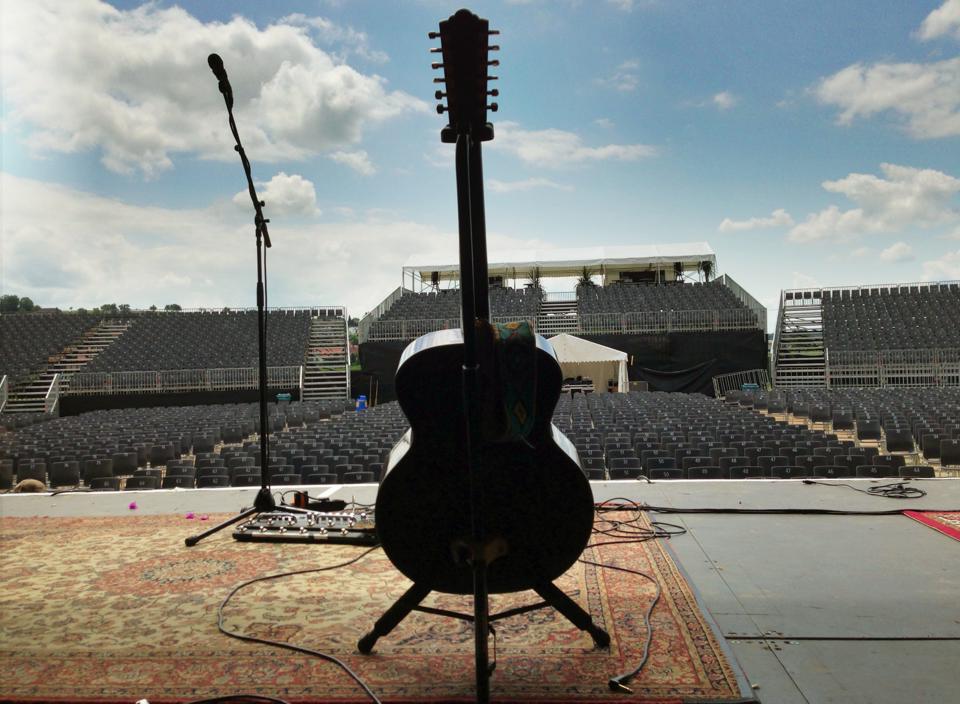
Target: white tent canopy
{"type": "Point", "coordinates": [567, 262]}
{"type": "Point", "coordinates": [579, 357]}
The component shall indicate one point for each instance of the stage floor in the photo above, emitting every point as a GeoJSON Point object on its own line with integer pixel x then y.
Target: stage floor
{"type": "Point", "coordinates": [815, 608]}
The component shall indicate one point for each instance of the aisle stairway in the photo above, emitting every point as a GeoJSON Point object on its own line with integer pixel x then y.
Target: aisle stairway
{"type": "Point", "coordinates": [556, 317]}
{"type": "Point", "coordinates": [800, 356]}
{"type": "Point", "coordinates": [30, 396]}
{"type": "Point", "coordinates": [326, 369]}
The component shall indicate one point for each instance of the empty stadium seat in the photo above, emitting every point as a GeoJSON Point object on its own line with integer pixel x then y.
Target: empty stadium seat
{"type": "Point", "coordinates": [916, 472]}
{"type": "Point", "coordinates": [142, 481]}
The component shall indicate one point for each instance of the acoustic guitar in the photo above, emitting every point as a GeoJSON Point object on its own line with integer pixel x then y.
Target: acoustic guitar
{"type": "Point", "coordinates": [482, 467]}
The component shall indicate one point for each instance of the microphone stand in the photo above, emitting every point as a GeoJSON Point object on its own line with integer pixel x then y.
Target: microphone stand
{"type": "Point", "coordinates": [264, 501]}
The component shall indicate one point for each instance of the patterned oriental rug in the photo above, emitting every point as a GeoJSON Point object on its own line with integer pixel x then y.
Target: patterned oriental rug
{"type": "Point", "coordinates": [947, 522]}
{"type": "Point", "coordinates": [117, 609]}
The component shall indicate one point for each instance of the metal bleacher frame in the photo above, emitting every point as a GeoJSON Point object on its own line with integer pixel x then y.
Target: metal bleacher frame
{"type": "Point", "coordinates": [801, 359]}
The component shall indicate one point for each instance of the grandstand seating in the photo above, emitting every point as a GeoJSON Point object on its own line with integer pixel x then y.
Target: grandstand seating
{"type": "Point", "coordinates": [628, 298]}
{"type": "Point", "coordinates": [28, 339]}
{"type": "Point", "coordinates": [618, 436]}
{"type": "Point", "coordinates": [520, 304]}
{"type": "Point", "coordinates": [908, 317]}
{"type": "Point", "coordinates": [214, 340]}
{"type": "Point", "coordinates": [921, 420]}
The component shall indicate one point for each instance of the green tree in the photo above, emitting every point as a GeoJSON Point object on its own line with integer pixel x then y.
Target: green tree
{"type": "Point", "coordinates": [153, 307]}
{"type": "Point", "coordinates": [26, 305]}
{"type": "Point", "coordinates": [109, 308]}
{"type": "Point", "coordinates": [9, 303]}
{"type": "Point", "coordinates": [172, 306]}
{"type": "Point", "coordinates": [586, 278]}
{"type": "Point", "coordinates": [124, 307]}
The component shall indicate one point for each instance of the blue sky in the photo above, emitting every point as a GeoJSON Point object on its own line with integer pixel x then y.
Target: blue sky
{"type": "Point", "coordinates": [811, 143]}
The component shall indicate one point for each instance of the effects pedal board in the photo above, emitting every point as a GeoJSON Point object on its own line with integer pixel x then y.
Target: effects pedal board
{"type": "Point", "coordinates": [340, 527]}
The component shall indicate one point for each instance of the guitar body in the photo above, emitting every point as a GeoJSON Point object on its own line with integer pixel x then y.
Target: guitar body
{"type": "Point", "coordinates": [538, 507]}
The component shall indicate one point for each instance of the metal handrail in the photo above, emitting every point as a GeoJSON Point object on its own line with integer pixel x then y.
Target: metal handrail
{"type": "Point", "coordinates": [53, 395]}
{"type": "Point", "coordinates": [882, 368]}
{"type": "Point", "coordinates": [363, 328]}
{"type": "Point", "coordinates": [4, 392]}
{"type": "Point", "coordinates": [669, 321]}
{"type": "Point", "coordinates": [744, 297]}
{"type": "Point", "coordinates": [775, 351]}
{"type": "Point", "coordinates": [412, 329]}
{"type": "Point", "coordinates": [182, 380]}
{"type": "Point", "coordinates": [551, 296]}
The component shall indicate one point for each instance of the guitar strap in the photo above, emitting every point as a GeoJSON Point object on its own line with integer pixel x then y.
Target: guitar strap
{"type": "Point", "coordinates": [516, 359]}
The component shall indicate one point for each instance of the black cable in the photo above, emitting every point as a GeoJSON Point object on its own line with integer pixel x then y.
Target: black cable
{"type": "Point", "coordinates": [788, 511]}
{"type": "Point", "coordinates": [898, 490]}
{"type": "Point", "coordinates": [619, 682]}
{"type": "Point", "coordinates": [290, 646]}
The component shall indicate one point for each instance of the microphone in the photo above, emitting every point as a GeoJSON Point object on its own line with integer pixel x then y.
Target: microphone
{"type": "Point", "coordinates": [216, 65]}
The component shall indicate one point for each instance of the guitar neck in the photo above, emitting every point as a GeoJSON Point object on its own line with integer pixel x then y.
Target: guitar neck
{"type": "Point", "coordinates": [478, 227]}
{"type": "Point", "coordinates": [474, 293]}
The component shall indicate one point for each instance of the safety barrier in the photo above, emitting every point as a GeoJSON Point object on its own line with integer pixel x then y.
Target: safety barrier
{"type": "Point", "coordinates": [182, 380]}
{"type": "Point", "coordinates": [734, 381]}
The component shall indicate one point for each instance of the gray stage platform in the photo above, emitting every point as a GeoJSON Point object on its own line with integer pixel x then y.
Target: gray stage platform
{"type": "Point", "coordinates": [816, 608]}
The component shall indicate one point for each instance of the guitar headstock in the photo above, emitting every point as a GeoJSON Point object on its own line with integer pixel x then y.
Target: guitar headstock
{"type": "Point", "coordinates": [464, 44]}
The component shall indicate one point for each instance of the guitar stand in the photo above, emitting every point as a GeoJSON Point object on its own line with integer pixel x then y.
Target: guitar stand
{"type": "Point", "coordinates": [548, 591]}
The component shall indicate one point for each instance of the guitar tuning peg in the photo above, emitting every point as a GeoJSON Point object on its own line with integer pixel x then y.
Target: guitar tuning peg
{"type": "Point", "coordinates": [436, 65]}
{"type": "Point", "coordinates": [441, 109]}
{"type": "Point", "coordinates": [493, 47]}
{"type": "Point", "coordinates": [494, 62]}
{"type": "Point", "coordinates": [493, 107]}
{"type": "Point", "coordinates": [439, 80]}
{"type": "Point", "coordinates": [493, 32]}
{"type": "Point", "coordinates": [439, 95]}
{"type": "Point", "coordinates": [492, 78]}
{"type": "Point", "coordinates": [433, 35]}
{"type": "Point", "coordinates": [493, 92]}
{"type": "Point", "coordinates": [436, 50]}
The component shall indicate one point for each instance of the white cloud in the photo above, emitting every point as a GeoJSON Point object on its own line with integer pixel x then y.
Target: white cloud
{"type": "Point", "coordinates": [624, 78]}
{"type": "Point", "coordinates": [526, 184]}
{"type": "Point", "coordinates": [134, 85]}
{"type": "Point", "coordinates": [905, 197]}
{"type": "Point", "coordinates": [944, 21]}
{"type": "Point", "coordinates": [553, 147]}
{"type": "Point", "coordinates": [359, 161]}
{"type": "Point", "coordinates": [946, 267]}
{"type": "Point", "coordinates": [778, 218]}
{"type": "Point", "coordinates": [351, 41]}
{"type": "Point", "coordinates": [62, 247]}
{"type": "Point", "coordinates": [925, 96]}
{"type": "Point", "coordinates": [898, 252]}
{"type": "Point", "coordinates": [283, 195]}
{"type": "Point", "coordinates": [724, 100]}
{"type": "Point", "coordinates": [862, 252]}
{"type": "Point", "coordinates": [604, 122]}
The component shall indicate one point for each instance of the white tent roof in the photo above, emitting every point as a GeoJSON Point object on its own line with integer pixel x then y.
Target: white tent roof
{"type": "Point", "coordinates": [567, 262]}
{"type": "Point", "coordinates": [590, 360]}
{"type": "Point", "coordinates": [576, 349]}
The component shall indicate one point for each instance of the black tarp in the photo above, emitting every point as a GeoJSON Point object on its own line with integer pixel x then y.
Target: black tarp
{"type": "Point", "coordinates": [688, 361]}
{"type": "Point", "coordinates": [676, 361]}
{"type": "Point", "coordinates": [380, 360]}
